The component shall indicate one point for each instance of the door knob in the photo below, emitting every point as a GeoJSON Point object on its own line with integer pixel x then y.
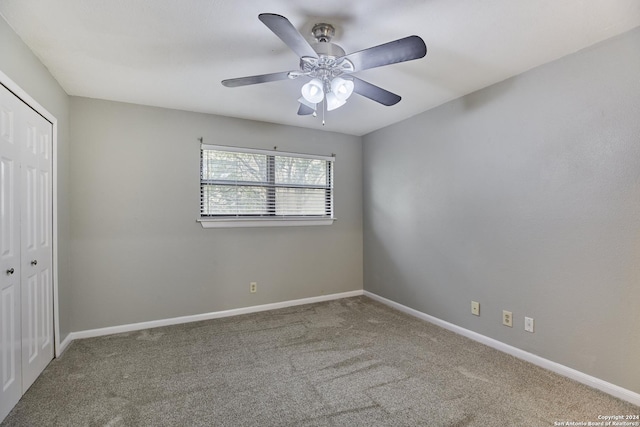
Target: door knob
{"type": "Point", "coordinates": [10, 271]}
{"type": "Point", "coordinates": [34, 262]}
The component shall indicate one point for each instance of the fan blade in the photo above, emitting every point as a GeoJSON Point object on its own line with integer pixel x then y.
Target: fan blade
{"type": "Point", "coordinates": [304, 110]}
{"type": "Point", "coordinates": [285, 30]}
{"type": "Point", "coordinates": [374, 92]}
{"type": "Point", "coordinates": [401, 50]}
{"type": "Point", "coordinates": [252, 80]}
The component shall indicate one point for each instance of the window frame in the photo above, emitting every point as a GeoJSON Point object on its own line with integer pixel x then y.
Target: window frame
{"type": "Point", "coordinates": [270, 219]}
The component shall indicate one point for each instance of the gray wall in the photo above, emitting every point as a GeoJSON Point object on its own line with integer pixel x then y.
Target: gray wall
{"type": "Point", "coordinates": [22, 66]}
{"type": "Point", "coordinates": [138, 253]}
{"type": "Point", "coordinates": [523, 196]}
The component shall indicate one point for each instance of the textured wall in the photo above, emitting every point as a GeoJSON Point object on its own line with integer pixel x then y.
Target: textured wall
{"type": "Point", "coordinates": [22, 66]}
{"type": "Point", "coordinates": [523, 196]}
{"type": "Point", "coordinates": [138, 253]}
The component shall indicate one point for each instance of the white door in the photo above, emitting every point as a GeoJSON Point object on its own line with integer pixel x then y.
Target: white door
{"type": "Point", "coordinates": [36, 254]}
{"type": "Point", "coordinates": [10, 338]}
{"type": "Point", "coordinates": [26, 306]}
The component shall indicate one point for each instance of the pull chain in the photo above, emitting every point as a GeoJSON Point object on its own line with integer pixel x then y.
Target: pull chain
{"type": "Point", "coordinates": [323, 108]}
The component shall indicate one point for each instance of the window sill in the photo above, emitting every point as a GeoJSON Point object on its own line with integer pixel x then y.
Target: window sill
{"type": "Point", "coordinates": [249, 222]}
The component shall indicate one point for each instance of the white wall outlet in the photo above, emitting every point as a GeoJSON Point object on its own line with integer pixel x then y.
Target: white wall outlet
{"type": "Point", "coordinates": [253, 287]}
{"type": "Point", "coordinates": [507, 318]}
{"type": "Point", "coordinates": [528, 324]}
{"type": "Point", "coordinates": [475, 308]}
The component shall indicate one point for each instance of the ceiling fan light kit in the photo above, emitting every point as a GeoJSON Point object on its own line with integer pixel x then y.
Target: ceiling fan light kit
{"type": "Point", "coordinates": [329, 67]}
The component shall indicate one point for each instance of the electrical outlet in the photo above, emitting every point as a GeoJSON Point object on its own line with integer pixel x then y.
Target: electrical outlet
{"type": "Point", "coordinates": [475, 308]}
{"type": "Point", "coordinates": [253, 287]}
{"type": "Point", "coordinates": [528, 324]}
{"type": "Point", "coordinates": [507, 318]}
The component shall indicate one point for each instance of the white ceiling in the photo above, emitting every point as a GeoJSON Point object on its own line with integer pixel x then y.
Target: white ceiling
{"type": "Point", "coordinates": [173, 54]}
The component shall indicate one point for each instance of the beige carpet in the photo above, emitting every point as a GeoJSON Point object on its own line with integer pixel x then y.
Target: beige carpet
{"type": "Point", "coordinates": [351, 362]}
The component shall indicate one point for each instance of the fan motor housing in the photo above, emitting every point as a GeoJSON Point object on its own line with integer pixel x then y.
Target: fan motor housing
{"type": "Point", "coordinates": [330, 62]}
{"type": "Point", "coordinates": [328, 49]}
{"type": "Point", "coordinates": [323, 33]}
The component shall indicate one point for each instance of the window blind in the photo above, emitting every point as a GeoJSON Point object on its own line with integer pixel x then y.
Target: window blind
{"type": "Point", "coordinates": [248, 183]}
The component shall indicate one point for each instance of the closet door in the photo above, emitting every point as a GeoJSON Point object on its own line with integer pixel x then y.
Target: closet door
{"type": "Point", "coordinates": [10, 338]}
{"type": "Point", "coordinates": [36, 248]}
{"type": "Point", "coordinates": [26, 288]}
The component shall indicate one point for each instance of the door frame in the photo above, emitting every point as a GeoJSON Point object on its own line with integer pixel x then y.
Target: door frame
{"type": "Point", "coordinates": [27, 99]}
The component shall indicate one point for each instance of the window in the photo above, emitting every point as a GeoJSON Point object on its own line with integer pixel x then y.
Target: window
{"type": "Point", "coordinates": [247, 187]}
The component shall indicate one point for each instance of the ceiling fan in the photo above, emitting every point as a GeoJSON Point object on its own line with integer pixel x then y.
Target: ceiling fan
{"type": "Point", "coordinates": [330, 69]}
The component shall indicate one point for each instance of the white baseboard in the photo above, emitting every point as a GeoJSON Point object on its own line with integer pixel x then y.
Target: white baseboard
{"type": "Point", "coordinates": [64, 344]}
{"type": "Point", "coordinates": [198, 317]}
{"type": "Point", "coordinates": [565, 371]}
